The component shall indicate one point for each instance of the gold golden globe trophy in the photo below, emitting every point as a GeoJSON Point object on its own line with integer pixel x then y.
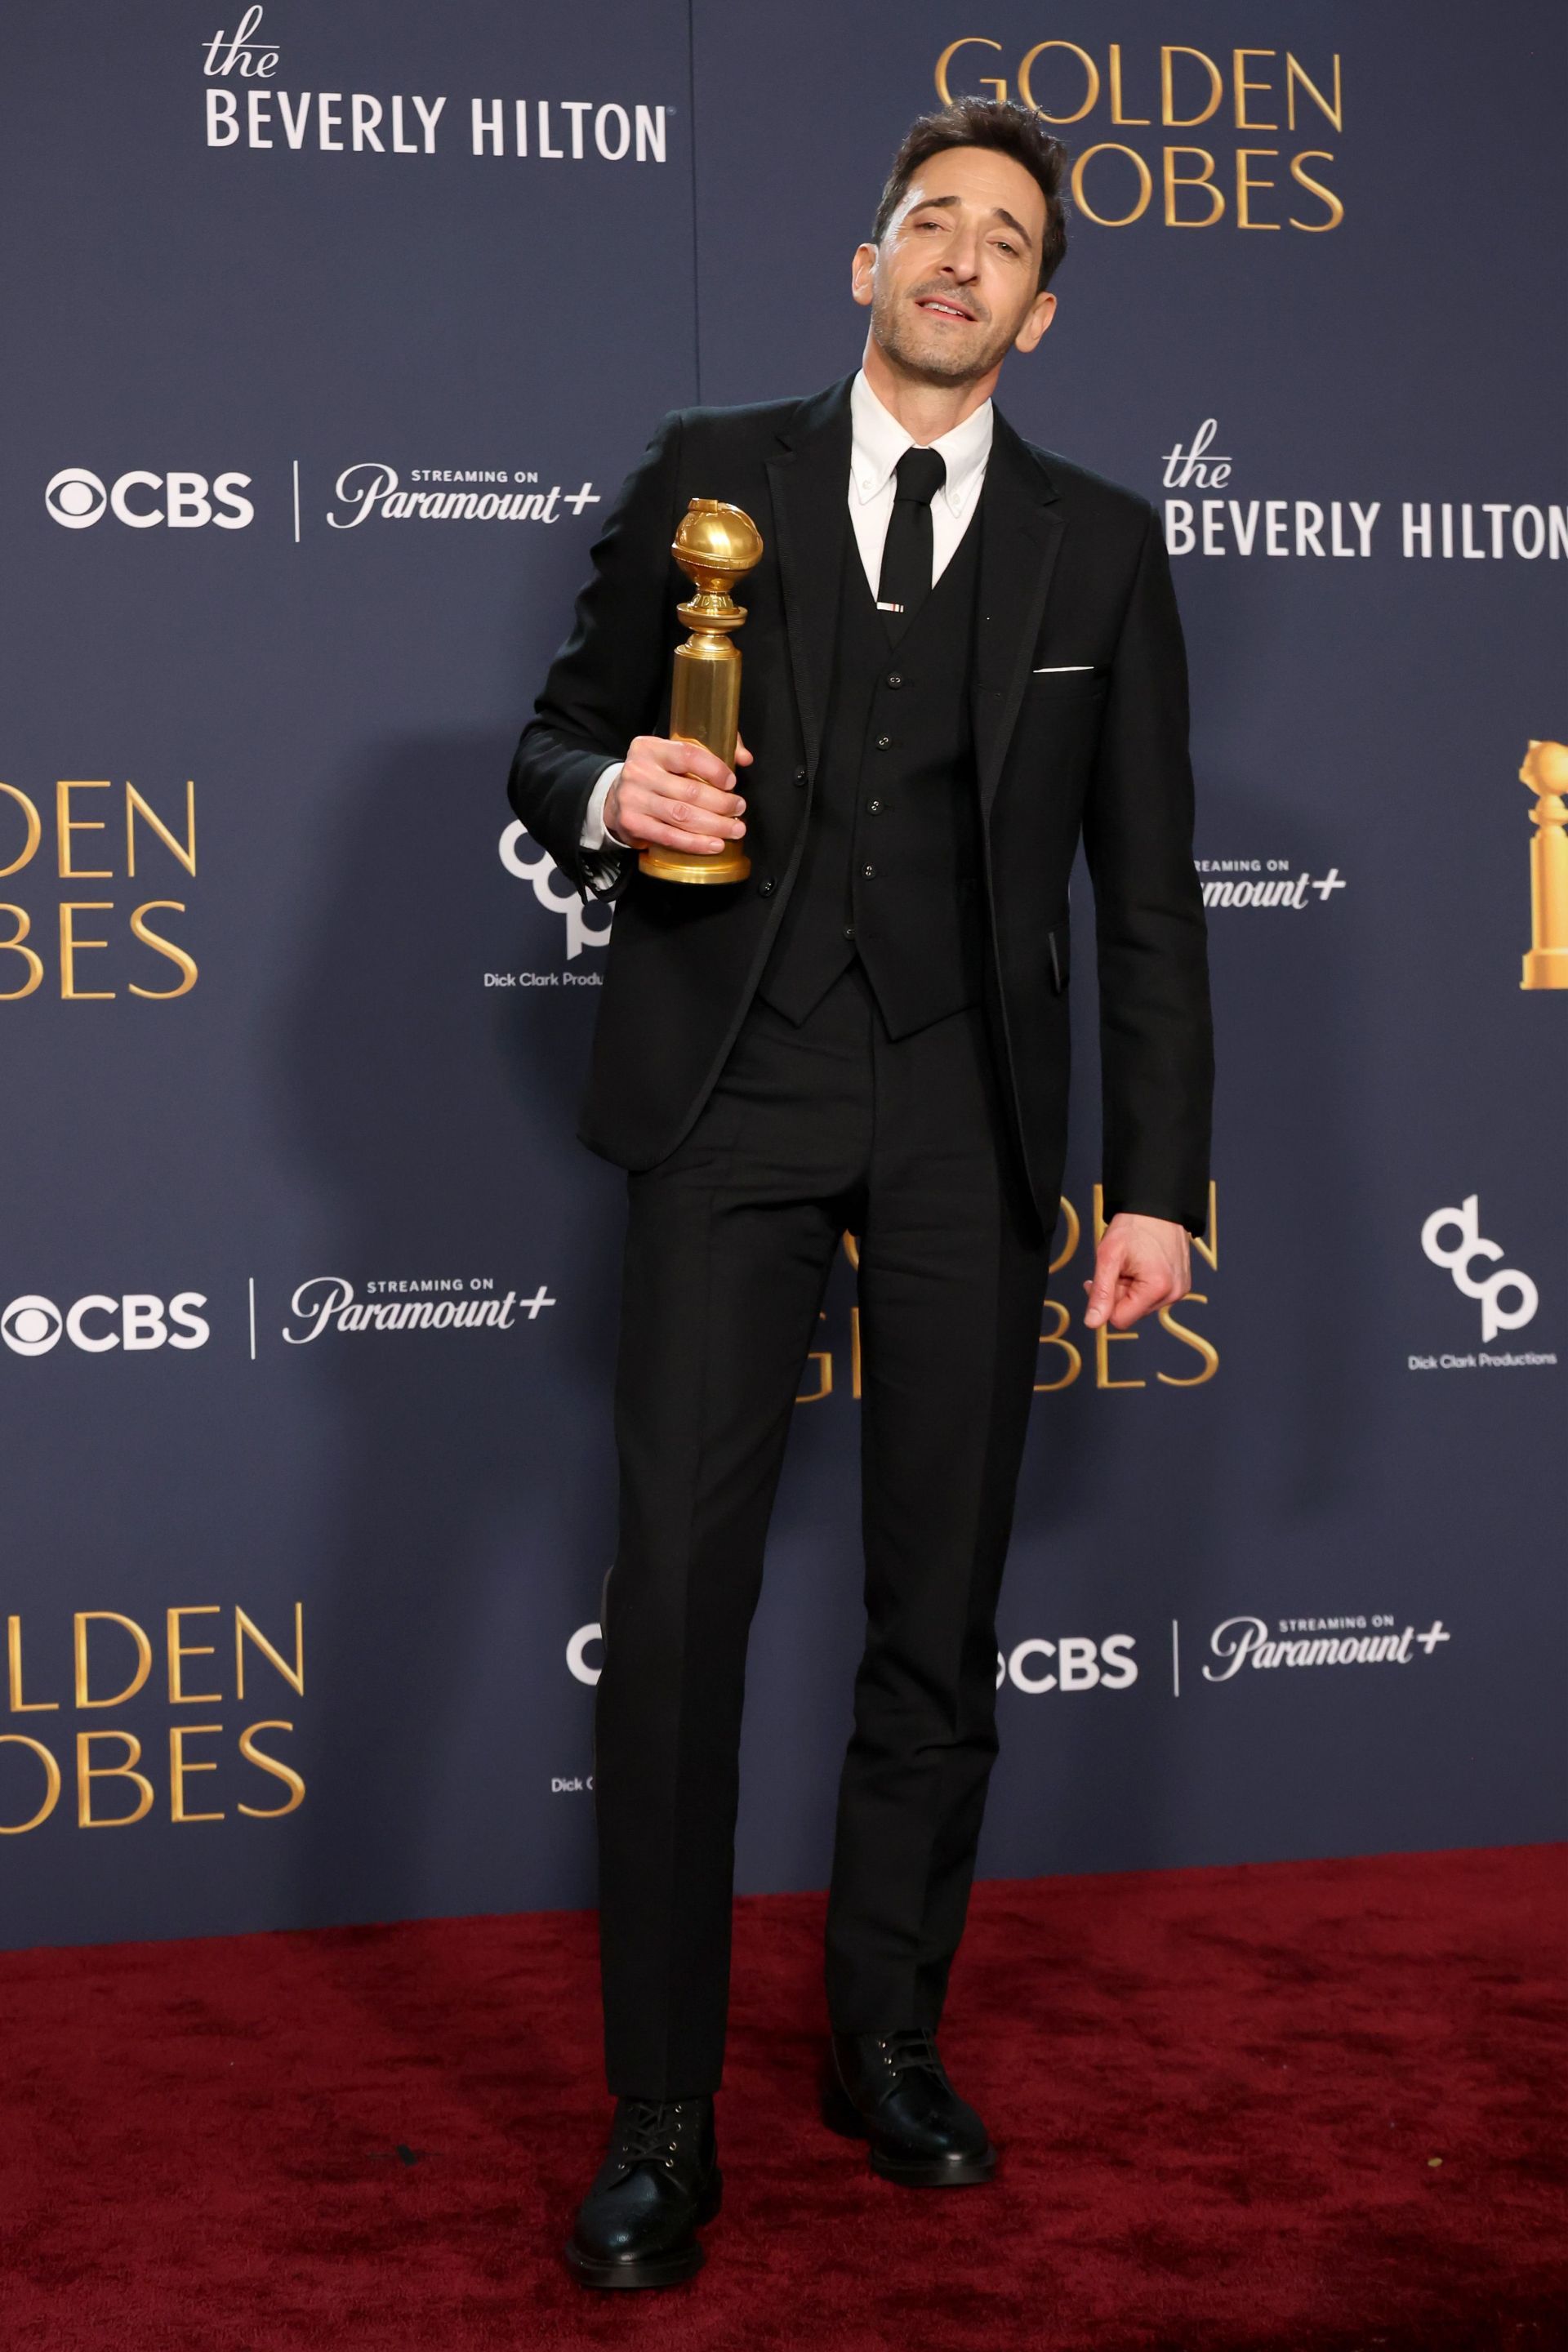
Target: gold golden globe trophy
{"type": "Point", "coordinates": [715, 546]}
{"type": "Point", "coordinates": [1545, 772]}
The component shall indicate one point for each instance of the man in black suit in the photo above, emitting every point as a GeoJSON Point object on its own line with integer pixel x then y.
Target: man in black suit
{"type": "Point", "coordinates": [962, 655]}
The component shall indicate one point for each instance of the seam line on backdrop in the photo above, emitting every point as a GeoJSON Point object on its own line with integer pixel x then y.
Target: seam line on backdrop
{"type": "Point", "coordinates": [1175, 1662]}
{"type": "Point", "coordinates": [692, 137]}
{"type": "Point", "coordinates": [296, 502]}
{"type": "Point", "coordinates": [251, 1285]}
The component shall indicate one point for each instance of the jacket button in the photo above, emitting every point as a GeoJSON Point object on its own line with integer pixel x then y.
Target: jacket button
{"type": "Point", "coordinates": [874, 808]}
{"type": "Point", "coordinates": [869, 872]}
{"type": "Point", "coordinates": [884, 742]}
{"type": "Point", "coordinates": [767, 888]}
{"type": "Point", "coordinates": [848, 930]}
{"type": "Point", "coordinates": [895, 679]}
{"type": "Point", "coordinates": [800, 775]}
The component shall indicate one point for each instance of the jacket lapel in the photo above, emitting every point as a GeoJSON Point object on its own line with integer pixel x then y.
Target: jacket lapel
{"type": "Point", "coordinates": [809, 481]}
{"type": "Point", "coordinates": [1020, 537]}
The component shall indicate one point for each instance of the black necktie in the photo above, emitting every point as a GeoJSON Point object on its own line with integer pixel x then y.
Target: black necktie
{"type": "Point", "coordinates": [906, 549]}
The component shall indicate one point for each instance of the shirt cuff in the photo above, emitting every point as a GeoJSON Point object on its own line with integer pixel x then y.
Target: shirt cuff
{"type": "Point", "coordinates": [595, 835]}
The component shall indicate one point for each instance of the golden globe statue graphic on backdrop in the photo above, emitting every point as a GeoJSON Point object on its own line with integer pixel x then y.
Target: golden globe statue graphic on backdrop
{"type": "Point", "coordinates": [715, 546]}
{"type": "Point", "coordinates": [1545, 772]}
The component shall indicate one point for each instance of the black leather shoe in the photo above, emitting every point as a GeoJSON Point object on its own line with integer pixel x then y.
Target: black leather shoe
{"type": "Point", "coordinates": [658, 2183]}
{"type": "Point", "coordinates": [892, 2090]}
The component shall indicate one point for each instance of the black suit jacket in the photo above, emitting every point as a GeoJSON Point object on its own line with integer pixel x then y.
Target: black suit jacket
{"type": "Point", "coordinates": [1073, 571]}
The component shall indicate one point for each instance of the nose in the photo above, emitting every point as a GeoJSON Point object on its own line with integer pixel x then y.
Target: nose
{"type": "Point", "coordinates": [961, 259]}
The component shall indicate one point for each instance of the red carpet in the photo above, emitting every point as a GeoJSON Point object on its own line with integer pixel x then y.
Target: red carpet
{"type": "Point", "coordinates": [1222, 2097]}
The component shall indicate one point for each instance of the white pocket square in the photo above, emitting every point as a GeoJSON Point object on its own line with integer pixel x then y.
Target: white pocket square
{"type": "Point", "coordinates": [1060, 669]}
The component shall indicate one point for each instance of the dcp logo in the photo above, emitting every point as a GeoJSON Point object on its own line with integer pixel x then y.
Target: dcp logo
{"type": "Point", "coordinates": [541, 871]}
{"type": "Point", "coordinates": [578, 1663]}
{"type": "Point", "coordinates": [31, 1326]}
{"type": "Point", "coordinates": [77, 499]}
{"type": "Point", "coordinates": [1466, 1219]}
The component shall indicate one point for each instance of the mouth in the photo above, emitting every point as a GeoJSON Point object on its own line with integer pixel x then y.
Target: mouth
{"type": "Point", "coordinates": [936, 306]}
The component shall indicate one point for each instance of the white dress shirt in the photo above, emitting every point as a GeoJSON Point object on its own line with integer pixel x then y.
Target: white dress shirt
{"type": "Point", "coordinates": [878, 442]}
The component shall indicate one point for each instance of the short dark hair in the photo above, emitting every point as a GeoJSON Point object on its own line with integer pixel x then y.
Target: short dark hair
{"type": "Point", "coordinates": [986, 122]}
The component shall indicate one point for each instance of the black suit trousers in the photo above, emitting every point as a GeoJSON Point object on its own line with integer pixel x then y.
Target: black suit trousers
{"type": "Point", "coordinates": [811, 1131]}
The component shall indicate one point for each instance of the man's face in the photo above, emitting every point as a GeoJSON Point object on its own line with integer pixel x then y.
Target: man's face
{"type": "Point", "coordinates": [953, 287]}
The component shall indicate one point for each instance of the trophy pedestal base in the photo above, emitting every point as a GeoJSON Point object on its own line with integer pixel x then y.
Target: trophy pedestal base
{"type": "Point", "coordinates": [695, 865]}
{"type": "Point", "coordinates": [1546, 967]}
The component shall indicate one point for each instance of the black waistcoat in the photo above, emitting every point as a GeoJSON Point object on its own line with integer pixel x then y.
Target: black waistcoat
{"type": "Point", "coordinates": [890, 867]}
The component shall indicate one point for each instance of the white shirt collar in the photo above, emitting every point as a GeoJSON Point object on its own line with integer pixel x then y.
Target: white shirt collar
{"type": "Point", "coordinates": [879, 441]}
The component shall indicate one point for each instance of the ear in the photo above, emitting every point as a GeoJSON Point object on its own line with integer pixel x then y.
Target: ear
{"type": "Point", "coordinates": [863, 275]}
{"type": "Point", "coordinates": [1036, 319]}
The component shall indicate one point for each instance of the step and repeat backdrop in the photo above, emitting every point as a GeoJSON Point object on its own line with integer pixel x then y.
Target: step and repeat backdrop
{"type": "Point", "coordinates": [334, 325]}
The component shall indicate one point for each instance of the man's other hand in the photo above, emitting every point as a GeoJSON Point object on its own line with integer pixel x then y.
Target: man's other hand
{"type": "Point", "coordinates": [678, 796]}
{"type": "Point", "coordinates": [1142, 1265]}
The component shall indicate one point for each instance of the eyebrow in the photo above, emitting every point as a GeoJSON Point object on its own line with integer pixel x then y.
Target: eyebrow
{"type": "Point", "coordinates": [929, 203]}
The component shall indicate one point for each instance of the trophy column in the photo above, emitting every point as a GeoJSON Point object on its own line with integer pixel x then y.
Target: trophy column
{"type": "Point", "coordinates": [715, 546]}
{"type": "Point", "coordinates": [1545, 771]}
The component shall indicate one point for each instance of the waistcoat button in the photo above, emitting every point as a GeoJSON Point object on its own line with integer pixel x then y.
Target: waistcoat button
{"type": "Point", "coordinates": [884, 742]}
{"type": "Point", "coordinates": [894, 678]}
{"type": "Point", "coordinates": [869, 872]}
{"type": "Point", "coordinates": [766, 888]}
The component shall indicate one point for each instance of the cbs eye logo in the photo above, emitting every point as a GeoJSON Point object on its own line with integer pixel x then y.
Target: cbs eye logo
{"type": "Point", "coordinates": [77, 499]}
{"type": "Point", "coordinates": [31, 1326]}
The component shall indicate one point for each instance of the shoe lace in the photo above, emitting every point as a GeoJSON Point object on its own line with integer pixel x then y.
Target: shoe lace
{"type": "Point", "coordinates": [650, 2133]}
{"type": "Point", "coordinates": [911, 2050]}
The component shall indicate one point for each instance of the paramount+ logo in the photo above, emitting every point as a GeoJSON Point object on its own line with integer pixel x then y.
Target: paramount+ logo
{"type": "Point", "coordinates": [77, 499]}
{"type": "Point", "coordinates": [135, 1322]}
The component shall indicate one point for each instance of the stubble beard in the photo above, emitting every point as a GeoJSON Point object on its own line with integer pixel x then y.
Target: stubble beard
{"type": "Point", "coordinates": [927, 359]}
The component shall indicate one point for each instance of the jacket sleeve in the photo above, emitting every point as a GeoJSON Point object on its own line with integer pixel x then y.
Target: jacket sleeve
{"type": "Point", "coordinates": [608, 681]}
{"type": "Point", "coordinates": [1155, 1037]}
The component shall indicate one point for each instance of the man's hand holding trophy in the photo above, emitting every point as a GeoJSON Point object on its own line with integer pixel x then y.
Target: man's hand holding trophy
{"type": "Point", "coordinates": [675, 799]}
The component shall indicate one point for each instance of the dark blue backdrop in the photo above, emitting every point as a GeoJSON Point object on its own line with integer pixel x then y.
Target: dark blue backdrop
{"type": "Point", "coordinates": [266, 402]}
